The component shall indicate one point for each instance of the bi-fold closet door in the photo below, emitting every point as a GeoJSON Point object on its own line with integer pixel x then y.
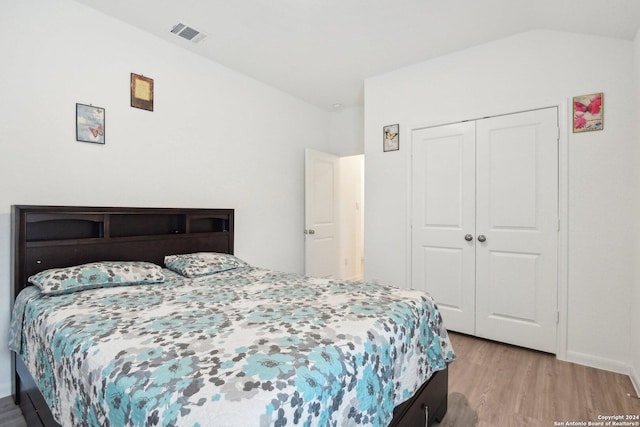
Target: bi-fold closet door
{"type": "Point", "coordinates": [485, 225]}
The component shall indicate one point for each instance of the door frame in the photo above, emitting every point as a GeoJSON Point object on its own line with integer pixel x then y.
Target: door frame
{"type": "Point", "coordinates": [563, 207]}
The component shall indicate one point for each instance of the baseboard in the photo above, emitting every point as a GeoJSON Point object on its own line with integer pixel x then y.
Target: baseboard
{"type": "Point", "coordinates": [598, 362]}
{"type": "Point", "coordinates": [635, 379]}
{"type": "Point", "coordinates": [5, 390]}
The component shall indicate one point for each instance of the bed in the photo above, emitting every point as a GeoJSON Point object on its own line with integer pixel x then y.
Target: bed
{"type": "Point", "coordinates": [210, 340]}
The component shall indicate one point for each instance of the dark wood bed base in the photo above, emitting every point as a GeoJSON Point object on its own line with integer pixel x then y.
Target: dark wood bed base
{"type": "Point", "coordinates": [62, 236]}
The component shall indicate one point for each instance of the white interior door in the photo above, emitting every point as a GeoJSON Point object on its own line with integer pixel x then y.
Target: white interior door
{"type": "Point", "coordinates": [494, 182]}
{"type": "Point", "coordinates": [321, 214]}
{"type": "Point", "coordinates": [517, 212]}
{"type": "Point", "coordinates": [443, 184]}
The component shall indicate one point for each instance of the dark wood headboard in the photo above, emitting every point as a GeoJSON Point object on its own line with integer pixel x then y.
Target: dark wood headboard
{"type": "Point", "coordinates": [62, 236]}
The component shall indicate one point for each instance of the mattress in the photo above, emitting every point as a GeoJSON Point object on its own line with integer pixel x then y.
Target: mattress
{"type": "Point", "coordinates": [243, 347]}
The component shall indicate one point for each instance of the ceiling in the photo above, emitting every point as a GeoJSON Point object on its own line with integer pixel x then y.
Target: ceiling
{"type": "Point", "coordinates": [322, 50]}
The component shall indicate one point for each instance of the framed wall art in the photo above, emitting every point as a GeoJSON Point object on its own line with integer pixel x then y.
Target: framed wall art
{"type": "Point", "coordinates": [391, 137]}
{"type": "Point", "coordinates": [90, 126]}
{"type": "Point", "coordinates": [141, 92]}
{"type": "Point", "coordinates": [588, 112]}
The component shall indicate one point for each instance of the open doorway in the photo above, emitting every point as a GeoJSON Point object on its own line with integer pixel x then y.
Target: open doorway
{"type": "Point", "coordinates": [334, 215]}
{"type": "Point", "coordinates": [351, 219]}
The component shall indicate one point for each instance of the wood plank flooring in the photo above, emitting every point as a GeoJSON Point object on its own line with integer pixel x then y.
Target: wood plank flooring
{"type": "Point", "coordinates": [493, 384]}
{"type": "Point", "coordinates": [498, 385]}
{"type": "Point", "coordinates": [10, 414]}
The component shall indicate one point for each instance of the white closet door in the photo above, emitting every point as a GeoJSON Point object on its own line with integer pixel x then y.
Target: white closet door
{"type": "Point", "coordinates": [495, 182]}
{"type": "Point", "coordinates": [443, 199]}
{"type": "Point", "coordinates": [517, 213]}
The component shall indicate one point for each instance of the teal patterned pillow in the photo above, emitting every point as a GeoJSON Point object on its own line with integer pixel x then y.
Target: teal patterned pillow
{"type": "Point", "coordinates": [202, 263]}
{"type": "Point", "coordinates": [96, 275]}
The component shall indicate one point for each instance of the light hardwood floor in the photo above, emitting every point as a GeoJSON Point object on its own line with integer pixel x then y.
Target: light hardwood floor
{"type": "Point", "coordinates": [494, 384]}
{"type": "Point", "coordinates": [10, 415]}
{"type": "Point", "coordinates": [498, 385]}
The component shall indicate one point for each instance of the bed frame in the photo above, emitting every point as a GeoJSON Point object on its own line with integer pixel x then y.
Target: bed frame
{"type": "Point", "coordinates": [62, 236]}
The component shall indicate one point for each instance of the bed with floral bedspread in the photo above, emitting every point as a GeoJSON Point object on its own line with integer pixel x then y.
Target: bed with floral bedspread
{"type": "Point", "coordinates": [240, 347]}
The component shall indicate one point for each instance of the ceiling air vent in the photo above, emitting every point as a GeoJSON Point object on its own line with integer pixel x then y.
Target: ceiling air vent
{"type": "Point", "coordinates": [188, 33]}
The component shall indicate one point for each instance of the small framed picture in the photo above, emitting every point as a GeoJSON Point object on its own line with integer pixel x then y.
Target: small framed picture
{"type": "Point", "coordinates": [588, 112]}
{"type": "Point", "coordinates": [141, 92]}
{"type": "Point", "coordinates": [90, 125]}
{"type": "Point", "coordinates": [391, 137]}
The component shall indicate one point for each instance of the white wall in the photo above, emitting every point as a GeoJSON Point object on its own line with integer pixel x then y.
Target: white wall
{"type": "Point", "coordinates": [529, 70]}
{"type": "Point", "coordinates": [346, 131]}
{"type": "Point", "coordinates": [216, 139]}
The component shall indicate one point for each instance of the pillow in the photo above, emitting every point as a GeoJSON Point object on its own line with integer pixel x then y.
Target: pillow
{"type": "Point", "coordinates": [202, 263]}
{"type": "Point", "coordinates": [96, 275]}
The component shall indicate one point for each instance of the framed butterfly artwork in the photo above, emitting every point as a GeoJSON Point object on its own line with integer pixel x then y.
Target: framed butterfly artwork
{"type": "Point", "coordinates": [391, 137]}
{"type": "Point", "coordinates": [588, 112]}
{"type": "Point", "coordinates": [90, 125]}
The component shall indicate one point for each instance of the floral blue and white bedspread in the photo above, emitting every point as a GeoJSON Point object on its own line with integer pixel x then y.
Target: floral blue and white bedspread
{"type": "Point", "coordinates": [246, 347]}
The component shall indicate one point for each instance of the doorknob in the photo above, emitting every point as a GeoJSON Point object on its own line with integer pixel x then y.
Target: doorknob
{"type": "Point", "coordinates": [468, 237]}
{"type": "Point", "coordinates": [482, 238]}
{"type": "Point", "coordinates": [309, 231]}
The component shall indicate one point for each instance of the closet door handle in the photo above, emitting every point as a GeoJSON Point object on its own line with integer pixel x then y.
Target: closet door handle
{"type": "Point", "coordinates": [468, 237]}
{"type": "Point", "coordinates": [482, 238]}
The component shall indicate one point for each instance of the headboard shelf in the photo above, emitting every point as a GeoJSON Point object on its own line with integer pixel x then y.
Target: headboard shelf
{"type": "Point", "coordinates": [120, 239]}
{"type": "Point", "coordinates": [63, 242]}
{"type": "Point", "coordinates": [135, 224]}
{"type": "Point", "coordinates": [85, 224]}
{"type": "Point", "coordinates": [61, 236]}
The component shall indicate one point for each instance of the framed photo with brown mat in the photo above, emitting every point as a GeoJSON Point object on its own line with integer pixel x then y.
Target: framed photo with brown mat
{"type": "Point", "coordinates": [141, 92]}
